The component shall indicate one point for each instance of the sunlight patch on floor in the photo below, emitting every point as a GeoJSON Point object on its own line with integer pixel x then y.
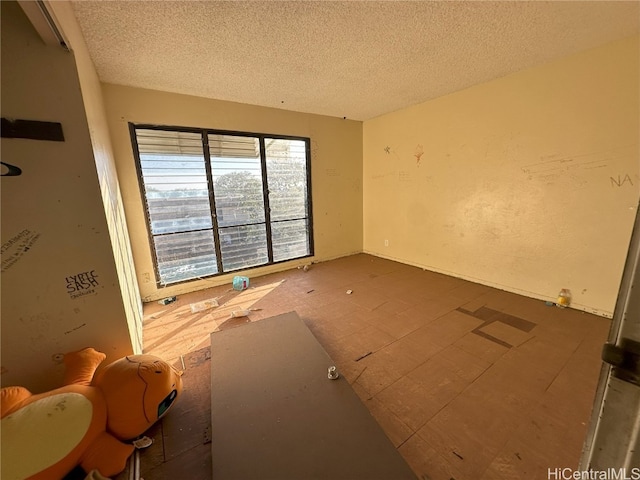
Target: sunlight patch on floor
{"type": "Point", "coordinates": [176, 330]}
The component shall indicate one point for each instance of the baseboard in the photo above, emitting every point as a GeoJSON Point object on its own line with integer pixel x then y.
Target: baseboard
{"type": "Point", "coordinates": [506, 288]}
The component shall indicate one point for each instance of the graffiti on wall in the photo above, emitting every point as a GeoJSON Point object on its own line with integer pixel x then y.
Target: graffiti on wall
{"type": "Point", "coordinates": [622, 180]}
{"type": "Point", "coordinates": [419, 151]}
{"type": "Point", "coordinates": [82, 284]}
{"type": "Point", "coordinates": [16, 247]}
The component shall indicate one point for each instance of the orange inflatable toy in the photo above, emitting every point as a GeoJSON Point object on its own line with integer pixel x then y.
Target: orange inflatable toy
{"type": "Point", "coordinates": [89, 420]}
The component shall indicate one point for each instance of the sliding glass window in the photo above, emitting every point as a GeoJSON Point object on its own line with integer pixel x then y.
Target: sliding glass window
{"type": "Point", "coordinates": [219, 202]}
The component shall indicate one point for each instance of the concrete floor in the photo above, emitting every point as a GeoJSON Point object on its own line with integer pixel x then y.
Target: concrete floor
{"type": "Point", "coordinates": [468, 382]}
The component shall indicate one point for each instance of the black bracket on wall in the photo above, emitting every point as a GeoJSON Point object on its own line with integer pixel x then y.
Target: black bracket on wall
{"type": "Point", "coordinates": [32, 130]}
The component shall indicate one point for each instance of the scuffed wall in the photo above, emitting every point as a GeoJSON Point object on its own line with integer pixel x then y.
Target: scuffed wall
{"type": "Point", "coordinates": [528, 183]}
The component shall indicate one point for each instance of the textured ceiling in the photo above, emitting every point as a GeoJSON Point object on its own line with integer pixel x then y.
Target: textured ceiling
{"type": "Point", "coordinates": [354, 59]}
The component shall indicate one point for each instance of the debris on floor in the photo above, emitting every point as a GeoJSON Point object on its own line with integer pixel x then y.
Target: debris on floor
{"type": "Point", "coordinates": [167, 301]}
{"type": "Point", "coordinates": [143, 442]}
{"type": "Point", "coordinates": [204, 305]}
{"type": "Point", "coordinates": [363, 356]}
{"type": "Point", "coordinates": [332, 373]}
{"type": "Point", "coordinates": [564, 298]}
{"type": "Point", "coordinates": [241, 313]}
{"type": "Point", "coordinates": [240, 283]}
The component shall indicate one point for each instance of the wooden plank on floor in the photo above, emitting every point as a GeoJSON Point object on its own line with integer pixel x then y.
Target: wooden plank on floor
{"type": "Point", "coordinates": [276, 415]}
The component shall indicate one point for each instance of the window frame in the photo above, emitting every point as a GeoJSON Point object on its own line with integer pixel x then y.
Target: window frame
{"type": "Point", "coordinates": [204, 133]}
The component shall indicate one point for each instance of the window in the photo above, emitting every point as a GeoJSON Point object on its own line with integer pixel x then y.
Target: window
{"type": "Point", "coordinates": [219, 202]}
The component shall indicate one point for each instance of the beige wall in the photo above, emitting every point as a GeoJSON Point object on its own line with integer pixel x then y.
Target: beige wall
{"type": "Point", "coordinates": [529, 183]}
{"type": "Point", "coordinates": [53, 220]}
{"type": "Point", "coordinates": [336, 169]}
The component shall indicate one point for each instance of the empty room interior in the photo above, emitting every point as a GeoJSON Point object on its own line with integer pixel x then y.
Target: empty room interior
{"type": "Point", "coordinates": [441, 194]}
